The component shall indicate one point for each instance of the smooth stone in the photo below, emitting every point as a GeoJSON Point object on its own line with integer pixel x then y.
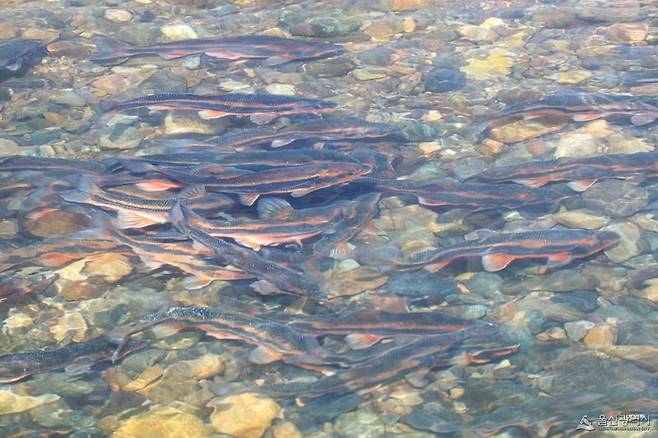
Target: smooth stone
{"type": "Point", "coordinates": [71, 325]}
{"type": "Point", "coordinates": [584, 301]}
{"type": "Point", "coordinates": [576, 330]}
{"type": "Point", "coordinates": [645, 356]}
{"type": "Point", "coordinates": [66, 97]}
{"type": "Point", "coordinates": [177, 32]}
{"type": "Point", "coordinates": [244, 415]}
{"type": "Point", "coordinates": [558, 281]}
{"type": "Point", "coordinates": [496, 63]}
{"type": "Point", "coordinates": [281, 89]}
{"type": "Point", "coordinates": [334, 23]}
{"type": "Point", "coordinates": [112, 267]}
{"type": "Point", "coordinates": [122, 137]}
{"type": "Point", "coordinates": [615, 198]}
{"type": "Point", "coordinates": [628, 246]}
{"type": "Point", "coordinates": [477, 33]}
{"type": "Point", "coordinates": [573, 77]}
{"type": "Point", "coordinates": [526, 129]}
{"type": "Point", "coordinates": [626, 32]}
{"type": "Point", "coordinates": [404, 5]}
{"type": "Point", "coordinates": [580, 219]}
{"type": "Point", "coordinates": [286, 430]}
{"type": "Point", "coordinates": [379, 56]}
{"type": "Point", "coordinates": [54, 223]}
{"type": "Point", "coordinates": [118, 15]}
{"type": "Point", "coordinates": [600, 336]}
{"type": "Point", "coordinates": [578, 145]}
{"type": "Point", "coordinates": [9, 147]}
{"type": "Point", "coordinates": [162, 422]}
{"type": "Point", "coordinates": [369, 74]}
{"type": "Point", "coordinates": [11, 403]}
{"type": "Point", "coordinates": [552, 334]}
{"type": "Point", "coordinates": [329, 68]}
{"type": "Point", "coordinates": [442, 80]}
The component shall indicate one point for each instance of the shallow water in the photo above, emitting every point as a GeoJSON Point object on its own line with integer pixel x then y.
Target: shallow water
{"type": "Point", "coordinates": [462, 87]}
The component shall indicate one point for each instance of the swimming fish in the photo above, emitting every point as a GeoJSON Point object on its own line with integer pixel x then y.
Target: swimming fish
{"type": "Point", "coordinates": [18, 55]}
{"type": "Point", "coordinates": [261, 108]}
{"type": "Point", "coordinates": [74, 358]}
{"type": "Point", "coordinates": [558, 247]}
{"type": "Point", "coordinates": [272, 50]}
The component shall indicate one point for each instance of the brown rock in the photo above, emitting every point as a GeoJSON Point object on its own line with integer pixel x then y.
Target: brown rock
{"type": "Point", "coordinates": [526, 129]}
{"type": "Point", "coordinates": [244, 415]}
{"type": "Point", "coordinates": [50, 222]}
{"type": "Point", "coordinates": [286, 430]}
{"type": "Point", "coordinates": [111, 267]}
{"type": "Point", "coordinates": [163, 422]}
{"type": "Point", "coordinates": [601, 336]}
{"type": "Point", "coordinates": [404, 5]}
{"type": "Point", "coordinates": [626, 32]}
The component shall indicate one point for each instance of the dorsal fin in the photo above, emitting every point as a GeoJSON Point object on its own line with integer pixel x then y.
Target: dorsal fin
{"type": "Point", "coordinates": [274, 208]}
{"type": "Point", "coordinates": [192, 192]}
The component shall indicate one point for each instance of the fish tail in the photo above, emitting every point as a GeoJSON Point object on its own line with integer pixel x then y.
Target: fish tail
{"type": "Point", "coordinates": [100, 228]}
{"type": "Point", "coordinates": [110, 50]}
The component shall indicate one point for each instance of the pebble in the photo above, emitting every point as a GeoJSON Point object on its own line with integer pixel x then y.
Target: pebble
{"type": "Point", "coordinates": [573, 77]}
{"type": "Point", "coordinates": [578, 145]}
{"type": "Point", "coordinates": [646, 356]}
{"type": "Point", "coordinates": [580, 219]}
{"type": "Point", "coordinates": [244, 415]}
{"type": "Point", "coordinates": [526, 129]}
{"type": "Point", "coordinates": [628, 246]}
{"type": "Point", "coordinates": [576, 330]}
{"type": "Point", "coordinates": [600, 336]}
{"type": "Point", "coordinates": [286, 430]}
{"type": "Point", "coordinates": [12, 403]}
{"type": "Point", "coordinates": [369, 74]}
{"type": "Point", "coordinates": [335, 67]}
{"type": "Point", "coordinates": [281, 89]}
{"type": "Point", "coordinates": [329, 24]}
{"type": "Point", "coordinates": [552, 334]}
{"type": "Point", "coordinates": [379, 56]}
{"type": "Point", "coordinates": [204, 367]}
{"type": "Point", "coordinates": [111, 267]}
{"type": "Point", "coordinates": [122, 137]}
{"type": "Point", "coordinates": [163, 422]}
{"type": "Point", "coordinates": [495, 64]}
{"type": "Point", "coordinates": [626, 32]}
{"type": "Point", "coordinates": [442, 80]}
{"type": "Point", "coordinates": [118, 15]}
{"type": "Point", "coordinates": [177, 32]}
{"type": "Point", "coordinates": [54, 223]}
{"type": "Point", "coordinates": [179, 124]}
{"type": "Point", "coordinates": [404, 5]}
{"type": "Point", "coordinates": [71, 325]}
{"type": "Point", "coordinates": [9, 147]}
{"type": "Point", "coordinates": [477, 33]}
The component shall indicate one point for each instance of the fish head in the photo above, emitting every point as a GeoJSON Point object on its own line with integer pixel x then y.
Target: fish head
{"type": "Point", "coordinates": [606, 239]}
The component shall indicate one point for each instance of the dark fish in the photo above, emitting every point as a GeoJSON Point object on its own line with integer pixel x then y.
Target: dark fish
{"type": "Point", "coordinates": [297, 181]}
{"type": "Point", "coordinates": [273, 50]}
{"type": "Point", "coordinates": [581, 173]}
{"type": "Point", "coordinates": [260, 107]}
{"type": "Point", "coordinates": [343, 130]}
{"type": "Point", "coordinates": [274, 278]}
{"type": "Point", "coordinates": [558, 247]}
{"type": "Point", "coordinates": [355, 215]}
{"type": "Point", "coordinates": [18, 163]}
{"type": "Point", "coordinates": [10, 185]}
{"type": "Point", "coordinates": [279, 223]}
{"type": "Point", "coordinates": [274, 341]}
{"type": "Point", "coordinates": [18, 55]}
{"type": "Point", "coordinates": [451, 193]}
{"type": "Point", "coordinates": [74, 358]}
{"type": "Point", "coordinates": [19, 285]}
{"type": "Point", "coordinates": [363, 329]}
{"type": "Point", "coordinates": [132, 211]}
{"type": "Point", "coordinates": [417, 356]}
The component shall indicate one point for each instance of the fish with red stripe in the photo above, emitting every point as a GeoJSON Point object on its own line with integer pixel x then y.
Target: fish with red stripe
{"type": "Point", "coordinates": [557, 247]}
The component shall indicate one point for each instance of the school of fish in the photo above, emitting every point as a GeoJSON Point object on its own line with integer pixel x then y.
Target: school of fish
{"type": "Point", "coordinates": [265, 206]}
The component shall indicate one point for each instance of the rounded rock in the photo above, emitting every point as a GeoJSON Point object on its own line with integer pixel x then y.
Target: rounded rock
{"type": "Point", "coordinates": [442, 80]}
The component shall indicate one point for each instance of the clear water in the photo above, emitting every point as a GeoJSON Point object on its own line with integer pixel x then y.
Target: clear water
{"type": "Point", "coordinates": [461, 86]}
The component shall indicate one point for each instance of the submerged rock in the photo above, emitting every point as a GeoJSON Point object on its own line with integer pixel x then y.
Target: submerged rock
{"type": "Point", "coordinates": [163, 422]}
{"type": "Point", "coordinates": [244, 415]}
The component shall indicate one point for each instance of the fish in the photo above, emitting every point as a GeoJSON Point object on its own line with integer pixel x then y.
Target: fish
{"type": "Point", "coordinates": [415, 357]}
{"type": "Point", "coordinates": [362, 329]}
{"type": "Point", "coordinates": [558, 247]}
{"type": "Point", "coordinates": [333, 131]}
{"type": "Point", "coordinates": [18, 55]}
{"type": "Point", "coordinates": [10, 185]}
{"type": "Point", "coordinates": [272, 50]}
{"type": "Point", "coordinates": [279, 223]}
{"type": "Point", "coordinates": [74, 358]}
{"type": "Point", "coordinates": [273, 278]}
{"type": "Point", "coordinates": [261, 108]}
{"type": "Point", "coordinates": [132, 211]}
{"type": "Point", "coordinates": [447, 192]}
{"type": "Point", "coordinates": [15, 286]}
{"type": "Point", "coordinates": [581, 173]}
{"type": "Point", "coordinates": [355, 215]}
{"type": "Point", "coordinates": [15, 163]}
{"type": "Point", "coordinates": [157, 251]}
{"type": "Point", "coordinates": [297, 181]}
{"type": "Point", "coordinates": [273, 341]}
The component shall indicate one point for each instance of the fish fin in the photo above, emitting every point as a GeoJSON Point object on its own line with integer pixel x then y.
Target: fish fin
{"type": "Point", "coordinates": [529, 182]}
{"type": "Point", "coordinates": [436, 267]}
{"type": "Point", "coordinates": [156, 185]}
{"type": "Point", "coordinates": [192, 192]}
{"type": "Point", "coordinates": [109, 50]}
{"type": "Point", "coordinates": [360, 341]}
{"type": "Point", "coordinates": [280, 143]}
{"type": "Point", "coordinates": [75, 369]}
{"type": "Point", "coordinates": [302, 192]}
{"type": "Point", "coordinates": [496, 262]}
{"type": "Point", "coordinates": [261, 356]}
{"type": "Point", "coordinates": [581, 185]}
{"type": "Point", "coordinates": [76, 196]}
{"type": "Point", "coordinates": [643, 118]}
{"type": "Point", "coordinates": [586, 117]}
{"type": "Point", "coordinates": [194, 282]}
{"type": "Point", "coordinates": [166, 329]}
{"type": "Point", "coordinates": [212, 114]}
{"type": "Point", "coordinates": [275, 60]}
{"type": "Point", "coordinates": [249, 199]}
{"type": "Point", "coordinates": [262, 119]}
{"type": "Point", "coordinates": [422, 200]}
{"type": "Point", "coordinates": [87, 185]}
{"type": "Point", "coordinates": [556, 260]}
{"type": "Point", "coordinates": [421, 255]}
{"type": "Point", "coordinates": [265, 287]}
{"type": "Point", "coordinates": [248, 243]}
{"type": "Point", "coordinates": [417, 379]}
{"type": "Point", "coordinates": [274, 208]}
{"type": "Point", "coordinates": [127, 219]}
{"type": "Point", "coordinates": [198, 246]}
{"type": "Point", "coordinates": [342, 250]}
